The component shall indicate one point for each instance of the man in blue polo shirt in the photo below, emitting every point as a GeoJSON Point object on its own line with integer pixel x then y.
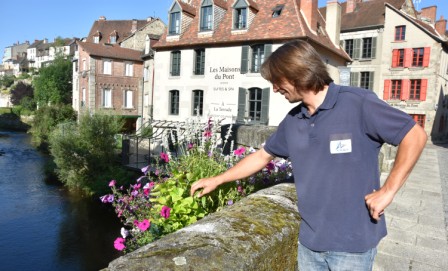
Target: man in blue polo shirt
{"type": "Point", "coordinates": [333, 138]}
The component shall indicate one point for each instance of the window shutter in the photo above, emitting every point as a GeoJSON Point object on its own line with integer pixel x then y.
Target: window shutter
{"type": "Point", "coordinates": [342, 44]}
{"type": "Point", "coordinates": [426, 53]}
{"type": "Point", "coordinates": [267, 50]}
{"type": "Point", "coordinates": [405, 89]}
{"type": "Point", "coordinates": [371, 74]}
{"type": "Point", "coordinates": [423, 90]}
{"type": "Point", "coordinates": [386, 92]}
{"type": "Point", "coordinates": [354, 79]}
{"type": "Point", "coordinates": [265, 106]}
{"type": "Point", "coordinates": [395, 56]}
{"type": "Point", "coordinates": [374, 47]}
{"type": "Point", "coordinates": [356, 48]}
{"type": "Point", "coordinates": [241, 105]}
{"type": "Point", "coordinates": [407, 57]}
{"type": "Point", "coordinates": [244, 59]}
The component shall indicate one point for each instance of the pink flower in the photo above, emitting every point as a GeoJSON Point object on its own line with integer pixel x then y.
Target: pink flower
{"type": "Point", "coordinates": [119, 244]}
{"type": "Point", "coordinates": [112, 183]}
{"type": "Point", "coordinates": [240, 189]}
{"type": "Point", "coordinates": [165, 212]}
{"type": "Point", "coordinates": [190, 146]}
{"type": "Point", "coordinates": [144, 225]}
{"type": "Point", "coordinates": [239, 151]}
{"type": "Point", "coordinates": [164, 157]}
{"type": "Point", "coordinates": [208, 134]}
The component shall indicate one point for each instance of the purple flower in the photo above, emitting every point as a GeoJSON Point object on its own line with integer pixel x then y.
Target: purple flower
{"type": "Point", "coordinates": [145, 169]}
{"type": "Point", "coordinates": [119, 244]}
{"type": "Point", "coordinates": [112, 183]}
{"type": "Point", "coordinates": [134, 193]}
{"type": "Point", "coordinates": [144, 225]}
{"type": "Point", "coordinates": [164, 157]}
{"type": "Point", "coordinates": [140, 178]}
{"type": "Point", "coordinates": [107, 198]}
{"type": "Point", "coordinates": [230, 202]}
{"type": "Point", "coordinates": [165, 212]}
{"type": "Point", "coordinates": [190, 146]}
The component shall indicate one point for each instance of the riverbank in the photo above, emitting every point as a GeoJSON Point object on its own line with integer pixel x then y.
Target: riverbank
{"type": "Point", "coordinates": [13, 122]}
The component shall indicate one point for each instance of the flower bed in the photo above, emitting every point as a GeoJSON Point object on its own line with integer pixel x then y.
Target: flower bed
{"type": "Point", "coordinates": [159, 202]}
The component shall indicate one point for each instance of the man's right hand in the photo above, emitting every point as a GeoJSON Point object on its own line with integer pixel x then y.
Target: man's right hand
{"type": "Point", "coordinates": [207, 185]}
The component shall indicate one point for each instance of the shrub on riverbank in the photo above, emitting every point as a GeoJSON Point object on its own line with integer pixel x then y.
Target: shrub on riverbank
{"type": "Point", "coordinates": [84, 152]}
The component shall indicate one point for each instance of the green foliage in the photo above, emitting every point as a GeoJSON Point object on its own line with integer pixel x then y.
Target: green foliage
{"type": "Point", "coordinates": [28, 103]}
{"type": "Point", "coordinates": [45, 120]}
{"type": "Point", "coordinates": [20, 91]}
{"type": "Point", "coordinates": [84, 151]}
{"type": "Point", "coordinates": [54, 83]}
{"type": "Point", "coordinates": [6, 81]}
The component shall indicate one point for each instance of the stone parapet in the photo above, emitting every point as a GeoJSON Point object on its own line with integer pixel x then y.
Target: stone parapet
{"type": "Point", "coordinates": [255, 234]}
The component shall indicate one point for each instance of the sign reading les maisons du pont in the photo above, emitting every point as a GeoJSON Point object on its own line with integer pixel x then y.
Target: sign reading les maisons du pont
{"type": "Point", "coordinates": [222, 104]}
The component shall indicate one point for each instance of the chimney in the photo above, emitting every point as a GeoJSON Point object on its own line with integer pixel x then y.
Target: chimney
{"type": "Point", "coordinates": [441, 26]}
{"type": "Point", "coordinates": [45, 41]}
{"type": "Point", "coordinates": [309, 9]}
{"type": "Point", "coordinates": [430, 13]}
{"type": "Point", "coordinates": [134, 25]}
{"type": "Point", "coordinates": [333, 24]}
{"type": "Point", "coordinates": [102, 18]}
{"type": "Point", "coordinates": [351, 5]}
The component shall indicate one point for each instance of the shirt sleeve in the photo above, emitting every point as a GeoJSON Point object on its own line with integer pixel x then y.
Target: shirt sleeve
{"type": "Point", "coordinates": [383, 122]}
{"type": "Point", "coordinates": [276, 145]}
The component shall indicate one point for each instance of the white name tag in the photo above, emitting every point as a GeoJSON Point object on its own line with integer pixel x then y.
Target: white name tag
{"type": "Point", "coordinates": [341, 146]}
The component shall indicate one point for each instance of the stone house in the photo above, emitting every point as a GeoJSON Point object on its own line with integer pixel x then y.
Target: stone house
{"type": "Point", "coordinates": [402, 55]}
{"type": "Point", "coordinates": [43, 52]}
{"type": "Point", "coordinates": [107, 76]}
{"type": "Point", "coordinates": [208, 61]}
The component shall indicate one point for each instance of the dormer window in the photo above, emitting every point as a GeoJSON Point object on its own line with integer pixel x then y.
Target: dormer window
{"type": "Point", "coordinates": [174, 23]}
{"type": "Point", "coordinates": [113, 37]}
{"type": "Point", "coordinates": [147, 44]}
{"type": "Point", "coordinates": [277, 11]}
{"type": "Point", "coordinates": [97, 37]}
{"type": "Point", "coordinates": [206, 15]}
{"type": "Point", "coordinates": [240, 15]}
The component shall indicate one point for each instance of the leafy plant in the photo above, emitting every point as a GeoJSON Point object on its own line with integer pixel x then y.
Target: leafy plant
{"type": "Point", "coordinates": [161, 197]}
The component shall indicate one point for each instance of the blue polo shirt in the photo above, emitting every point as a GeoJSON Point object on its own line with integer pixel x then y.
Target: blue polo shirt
{"type": "Point", "coordinates": [334, 154]}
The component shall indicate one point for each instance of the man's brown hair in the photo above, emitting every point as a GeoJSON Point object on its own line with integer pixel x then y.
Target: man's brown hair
{"type": "Point", "coordinates": [298, 63]}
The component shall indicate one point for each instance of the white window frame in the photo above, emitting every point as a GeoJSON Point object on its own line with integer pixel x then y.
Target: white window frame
{"type": "Point", "coordinates": [128, 98]}
{"type": "Point", "coordinates": [107, 66]}
{"type": "Point", "coordinates": [107, 98]}
{"type": "Point", "coordinates": [129, 69]}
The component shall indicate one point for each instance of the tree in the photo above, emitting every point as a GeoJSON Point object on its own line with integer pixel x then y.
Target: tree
{"type": "Point", "coordinates": [20, 91]}
{"type": "Point", "coordinates": [53, 85]}
{"type": "Point", "coordinates": [6, 81]}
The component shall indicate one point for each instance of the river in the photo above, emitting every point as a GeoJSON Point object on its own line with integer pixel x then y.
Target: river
{"type": "Point", "coordinates": [42, 226]}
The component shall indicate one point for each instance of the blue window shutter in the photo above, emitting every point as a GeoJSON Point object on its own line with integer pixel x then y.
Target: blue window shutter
{"type": "Point", "coordinates": [265, 106]}
{"type": "Point", "coordinates": [241, 105]}
{"type": "Point", "coordinates": [244, 59]}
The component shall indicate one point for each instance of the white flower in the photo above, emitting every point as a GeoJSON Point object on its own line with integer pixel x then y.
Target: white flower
{"type": "Point", "coordinates": [124, 232]}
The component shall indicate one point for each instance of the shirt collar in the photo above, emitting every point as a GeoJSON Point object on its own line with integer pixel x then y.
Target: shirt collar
{"type": "Point", "coordinates": [329, 102]}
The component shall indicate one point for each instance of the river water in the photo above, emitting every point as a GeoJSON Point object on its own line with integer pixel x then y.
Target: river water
{"type": "Point", "coordinates": [42, 226]}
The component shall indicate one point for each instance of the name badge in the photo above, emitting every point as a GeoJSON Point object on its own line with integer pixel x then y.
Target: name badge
{"type": "Point", "coordinates": [341, 146]}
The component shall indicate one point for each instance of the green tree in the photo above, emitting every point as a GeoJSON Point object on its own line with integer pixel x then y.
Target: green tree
{"type": "Point", "coordinates": [6, 81]}
{"type": "Point", "coordinates": [84, 152]}
{"type": "Point", "coordinates": [53, 85]}
{"type": "Point", "coordinates": [45, 120]}
{"type": "Point", "coordinates": [20, 91]}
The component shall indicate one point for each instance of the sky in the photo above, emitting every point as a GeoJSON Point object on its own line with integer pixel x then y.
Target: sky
{"type": "Point", "coordinates": [28, 20]}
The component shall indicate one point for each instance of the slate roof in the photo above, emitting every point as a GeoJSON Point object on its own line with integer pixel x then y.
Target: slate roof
{"type": "Point", "coordinates": [107, 27]}
{"type": "Point", "coordinates": [289, 25]}
{"type": "Point", "coordinates": [110, 51]}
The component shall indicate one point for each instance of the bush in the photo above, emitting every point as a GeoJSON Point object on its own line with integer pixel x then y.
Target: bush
{"type": "Point", "coordinates": [84, 152]}
{"type": "Point", "coordinates": [159, 202]}
{"type": "Point", "coordinates": [45, 120]}
{"type": "Point", "coordinates": [20, 91]}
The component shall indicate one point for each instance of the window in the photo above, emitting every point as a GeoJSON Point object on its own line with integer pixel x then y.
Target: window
{"type": "Point", "coordinates": [107, 98]}
{"type": "Point", "coordinates": [83, 99]}
{"type": "Point", "coordinates": [198, 102]}
{"type": "Point", "coordinates": [175, 63]}
{"type": "Point", "coordinates": [277, 11]}
{"type": "Point", "coordinates": [174, 102]}
{"type": "Point", "coordinates": [367, 48]}
{"type": "Point", "coordinates": [145, 73]}
{"type": "Point", "coordinates": [397, 58]}
{"type": "Point", "coordinates": [366, 80]}
{"type": "Point", "coordinates": [96, 39]}
{"type": "Point", "coordinates": [400, 33]}
{"type": "Point", "coordinates": [199, 61]}
{"type": "Point", "coordinates": [107, 67]}
{"type": "Point", "coordinates": [240, 15]}
{"type": "Point", "coordinates": [364, 48]}
{"type": "Point", "coordinates": [129, 69]}
{"type": "Point", "coordinates": [396, 90]}
{"type": "Point", "coordinates": [84, 65]}
{"type": "Point", "coordinates": [418, 89]}
{"type": "Point", "coordinates": [128, 99]}
{"type": "Point", "coordinates": [113, 39]}
{"type": "Point", "coordinates": [253, 56]}
{"type": "Point", "coordinates": [420, 119]}
{"type": "Point", "coordinates": [206, 15]}
{"type": "Point", "coordinates": [253, 105]}
{"type": "Point", "coordinates": [147, 44]}
{"type": "Point", "coordinates": [417, 57]}
{"type": "Point", "coordinates": [349, 47]}
{"type": "Point", "coordinates": [174, 24]}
